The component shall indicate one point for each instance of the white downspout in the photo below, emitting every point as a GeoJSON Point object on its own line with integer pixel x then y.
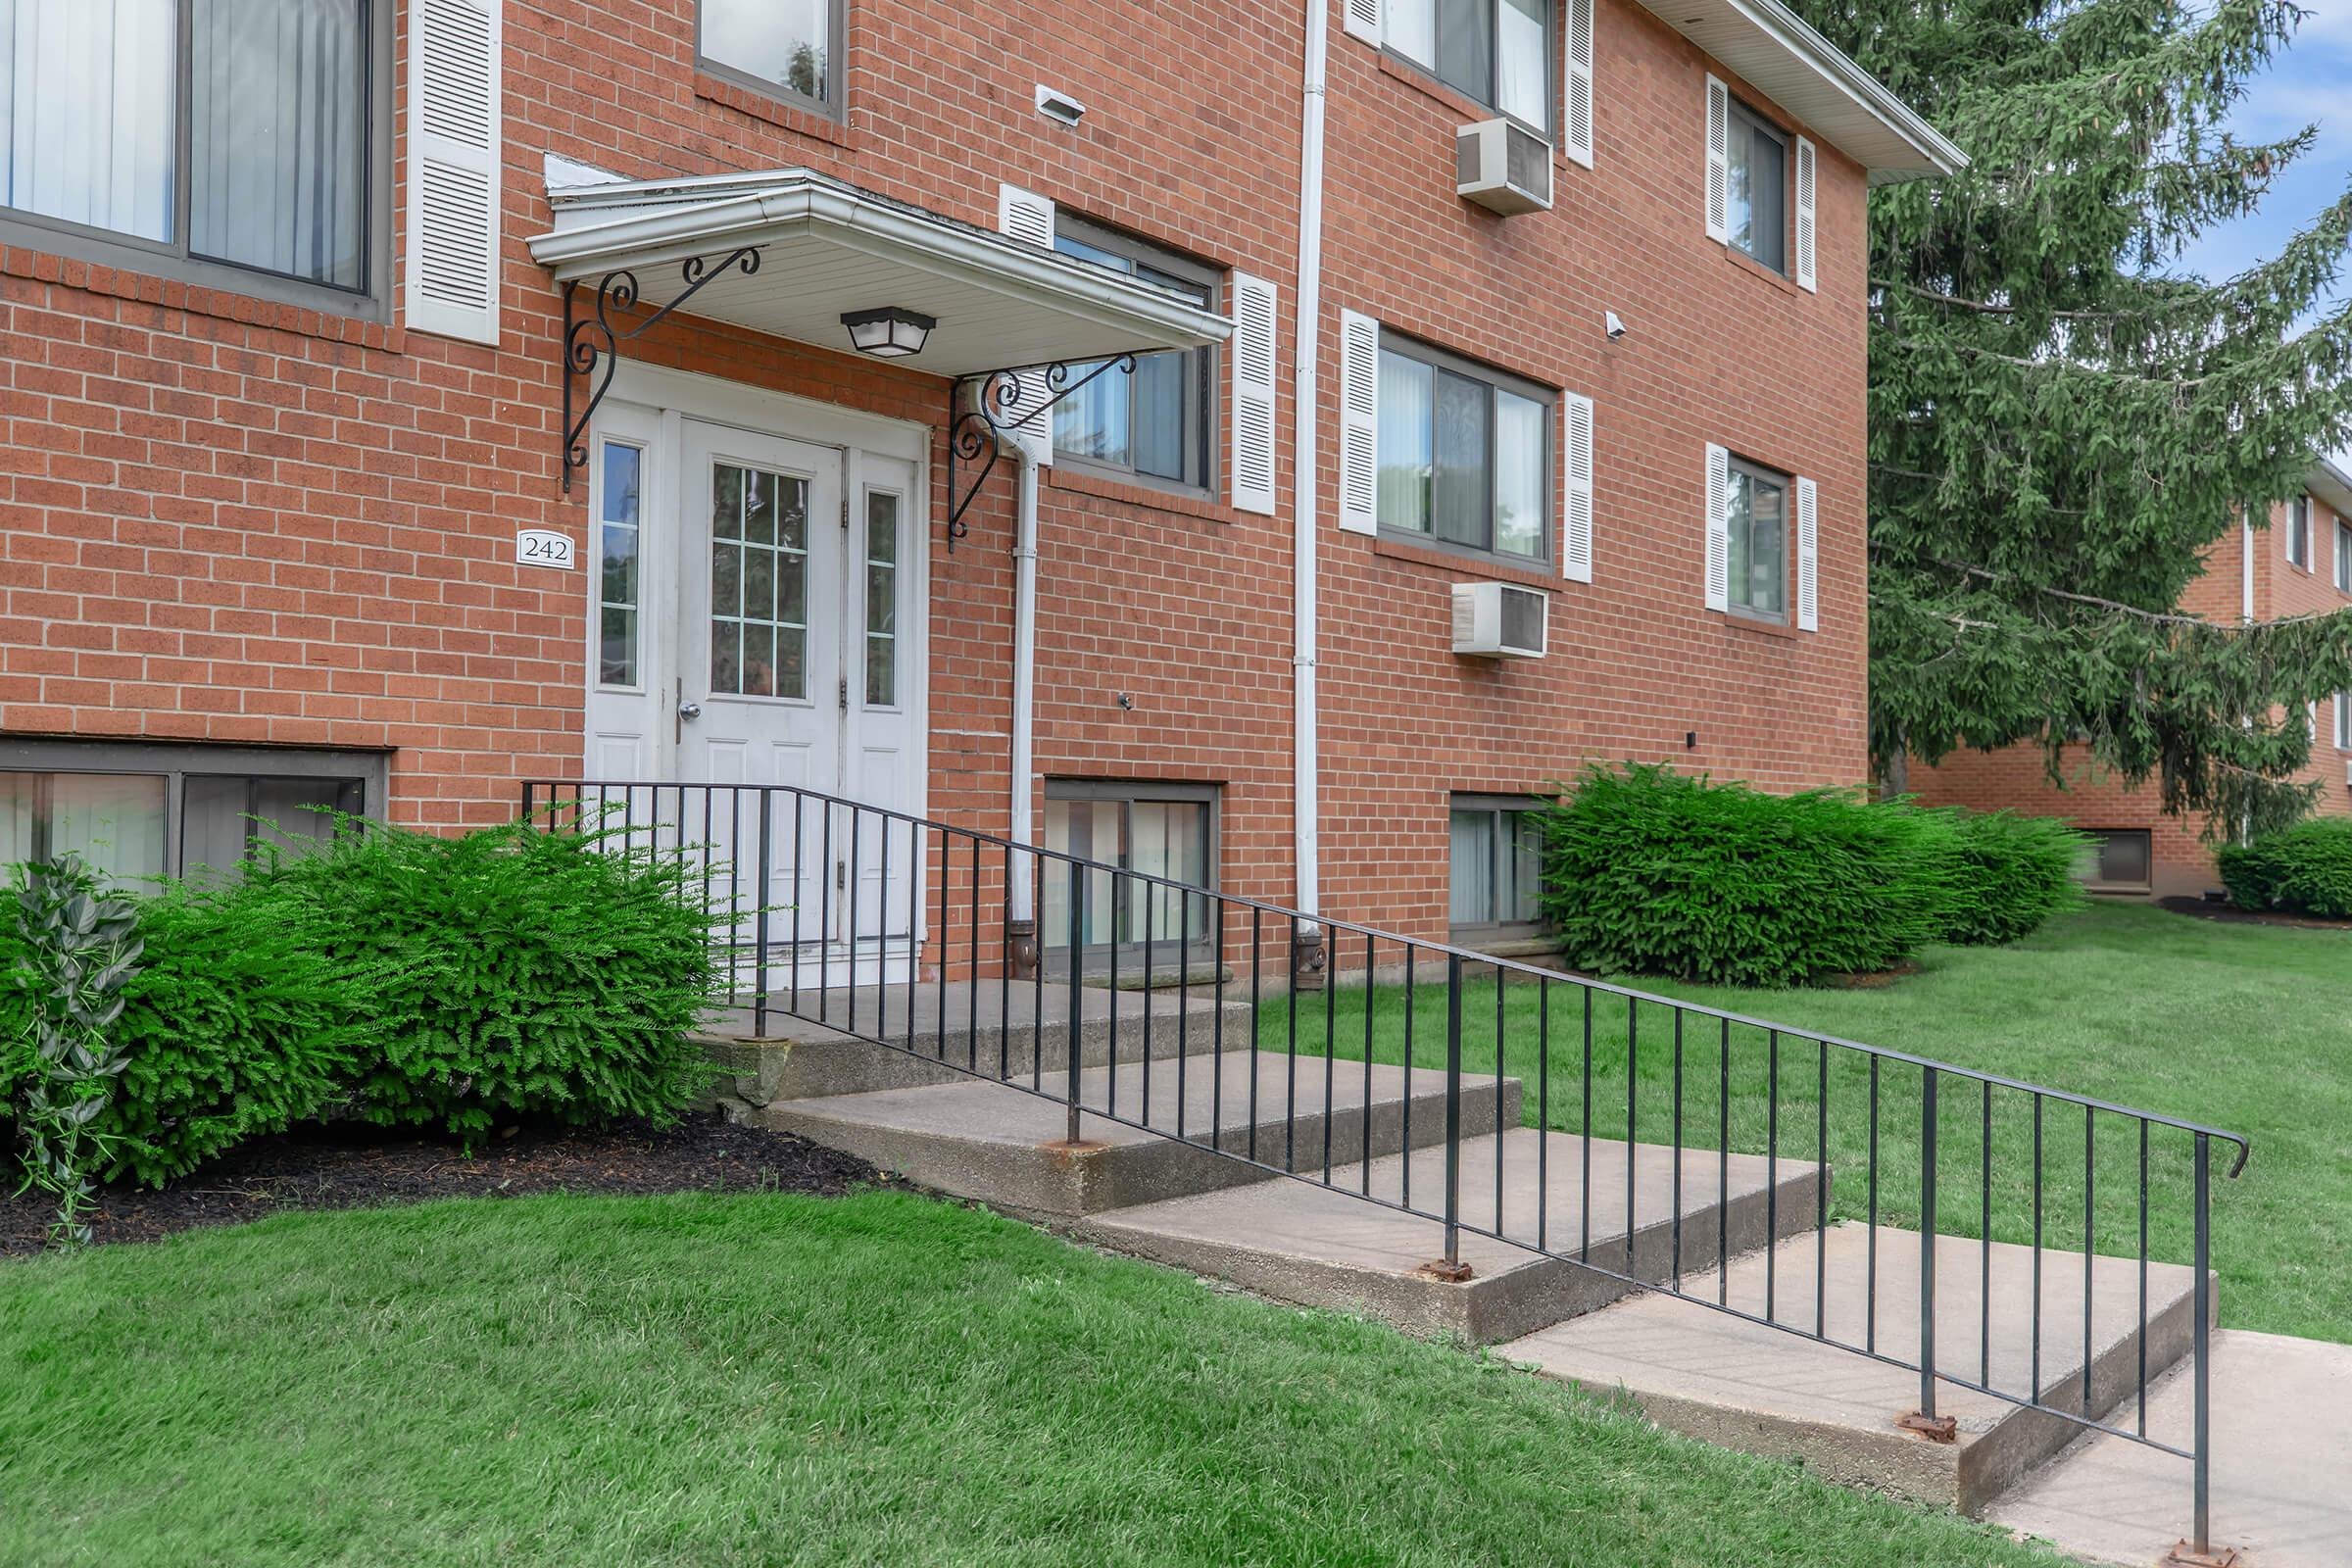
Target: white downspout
{"type": "Point", "coordinates": [1024, 688]}
{"type": "Point", "coordinates": [1305, 846]}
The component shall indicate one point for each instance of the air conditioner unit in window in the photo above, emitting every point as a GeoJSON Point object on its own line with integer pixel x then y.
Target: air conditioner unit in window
{"type": "Point", "coordinates": [1498, 620]}
{"type": "Point", "coordinates": [1503, 165]}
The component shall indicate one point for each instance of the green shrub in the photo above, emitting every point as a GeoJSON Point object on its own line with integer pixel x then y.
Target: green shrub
{"type": "Point", "coordinates": [2011, 874]}
{"type": "Point", "coordinates": [2303, 869]}
{"type": "Point", "coordinates": [509, 973]}
{"type": "Point", "coordinates": [238, 1022]}
{"type": "Point", "coordinates": [1649, 872]}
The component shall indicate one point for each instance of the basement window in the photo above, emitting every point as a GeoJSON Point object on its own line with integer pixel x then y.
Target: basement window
{"type": "Point", "coordinates": [1159, 830]}
{"type": "Point", "coordinates": [2120, 859]}
{"type": "Point", "coordinates": [1494, 868]}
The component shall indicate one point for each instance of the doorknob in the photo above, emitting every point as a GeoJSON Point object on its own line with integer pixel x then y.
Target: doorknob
{"type": "Point", "coordinates": [689, 710]}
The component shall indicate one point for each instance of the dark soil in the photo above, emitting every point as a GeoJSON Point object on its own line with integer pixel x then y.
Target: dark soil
{"type": "Point", "coordinates": [2211, 909]}
{"type": "Point", "coordinates": [357, 1167]}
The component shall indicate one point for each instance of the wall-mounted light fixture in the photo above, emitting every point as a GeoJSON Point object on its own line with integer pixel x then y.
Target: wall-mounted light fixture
{"type": "Point", "coordinates": [889, 333]}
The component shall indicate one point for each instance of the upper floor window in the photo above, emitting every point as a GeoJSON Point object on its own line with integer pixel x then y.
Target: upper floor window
{"type": "Point", "coordinates": [1154, 422]}
{"type": "Point", "coordinates": [237, 141]}
{"type": "Point", "coordinates": [2298, 532]}
{"type": "Point", "coordinates": [1757, 525]}
{"type": "Point", "coordinates": [2343, 558]}
{"type": "Point", "coordinates": [1758, 188]}
{"type": "Point", "coordinates": [788, 47]}
{"type": "Point", "coordinates": [1465, 454]}
{"type": "Point", "coordinates": [1494, 51]}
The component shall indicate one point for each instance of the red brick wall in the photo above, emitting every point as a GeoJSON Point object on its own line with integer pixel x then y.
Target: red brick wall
{"type": "Point", "coordinates": [2017, 776]}
{"type": "Point", "coordinates": [228, 521]}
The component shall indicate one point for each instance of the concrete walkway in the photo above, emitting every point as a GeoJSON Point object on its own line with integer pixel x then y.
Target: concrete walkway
{"type": "Point", "coordinates": [2281, 1466]}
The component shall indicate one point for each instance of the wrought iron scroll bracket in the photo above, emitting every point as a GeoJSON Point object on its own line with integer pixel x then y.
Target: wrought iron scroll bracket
{"type": "Point", "coordinates": [1004, 402]}
{"type": "Point", "coordinates": [592, 342]}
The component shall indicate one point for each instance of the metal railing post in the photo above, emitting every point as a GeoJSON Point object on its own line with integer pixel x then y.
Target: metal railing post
{"type": "Point", "coordinates": [759, 972]}
{"type": "Point", "coordinates": [1077, 987]}
{"type": "Point", "coordinates": [1927, 1244]}
{"type": "Point", "coordinates": [2202, 1352]}
{"type": "Point", "coordinates": [1454, 1111]}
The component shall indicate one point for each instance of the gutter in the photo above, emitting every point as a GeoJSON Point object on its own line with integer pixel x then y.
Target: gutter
{"type": "Point", "coordinates": [1307, 957]}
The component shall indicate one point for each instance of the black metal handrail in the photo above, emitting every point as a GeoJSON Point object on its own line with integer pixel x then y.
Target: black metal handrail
{"type": "Point", "coordinates": [784, 956]}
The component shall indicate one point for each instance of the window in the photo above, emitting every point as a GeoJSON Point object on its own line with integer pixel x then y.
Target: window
{"type": "Point", "coordinates": [1154, 422]}
{"type": "Point", "coordinates": [1165, 830]}
{"type": "Point", "coordinates": [759, 582]}
{"type": "Point", "coordinates": [881, 599]}
{"type": "Point", "coordinates": [1495, 864]}
{"type": "Point", "coordinates": [1465, 454]}
{"type": "Point", "coordinates": [1758, 189]}
{"type": "Point", "coordinates": [2117, 858]}
{"type": "Point", "coordinates": [2343, 558]}
{"type": "Point", "coordinates": [142, 811]}
{"type": "Point", "coordinates": [1757, 525]}
{"type": "Point", "coordinates": [788, 47]}
{"type": "Point", "coordinates": [2298, 532]}
{"type": "Point", "coordinates": [1497, 52]}
{"type": "Point", "coordinates": [616, 541]}
{"type": "Point", "coordinates": [2343, 721]}
{"type": "Point", "coordinates": [244, 141]}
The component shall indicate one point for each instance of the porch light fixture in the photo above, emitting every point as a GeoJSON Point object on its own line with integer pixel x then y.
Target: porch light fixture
{"type": "Point", "coordinates": [889, 333]}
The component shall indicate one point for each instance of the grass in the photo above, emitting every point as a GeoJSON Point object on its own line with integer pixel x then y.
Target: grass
{"type": "Point", "coordinates": [2242, 1027]}
{"type": "Point", "coordinates": [717, 1380]}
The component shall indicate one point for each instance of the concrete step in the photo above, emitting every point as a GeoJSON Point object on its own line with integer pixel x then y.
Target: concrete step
{"type": "Point", "coordinates": [1007, 1148]}
{"type": "Point", "coordinates": [1766, 1391]}
{"type": "Point", "coordinates": [806, 1053]}
{"type": "Point", "coordinates": [1326, 1246]}
{"type": "Point", "coordinates": [2280, 1465]}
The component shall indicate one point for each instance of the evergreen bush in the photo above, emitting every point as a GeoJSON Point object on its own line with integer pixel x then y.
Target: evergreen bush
{"type": "Point", "coordinates": [2011, 874]}
{"type": "Point", "coordinates": [2302, 869]}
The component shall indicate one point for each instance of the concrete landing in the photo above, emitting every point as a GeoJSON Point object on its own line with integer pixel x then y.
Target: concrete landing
{"type": "Point", "coordinates": [1759, 1389]}
{"type": "Point", "coordinates": [936, 1032]}
{"type": "Point", "coordinates": [1005, 1147]}
{"type": "Point", "coordinates": [2281, 1465]}
{"type": "Point", "coordinates": [1328, 1247]}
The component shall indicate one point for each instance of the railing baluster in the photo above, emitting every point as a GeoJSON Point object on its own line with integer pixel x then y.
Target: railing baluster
{"type": "Point", "coordinates": [1150, 900]}
{"type": "Point", "coordinates": [1500, 1032]}
{"type": "Point", "coordinates": [857, 823]}
{"type": "Point", "coordinates": [1723, 1172]}
{"type": "Point", "coordinates": [824, 916]}
{"type": "Point", "coordinates": [1453, 1110]}
{"type": "Point", "coordinates": [1870, 1238]}
{"type": "Point", "coordinates": [1583, 1136]}
{"type": "Point", "coordinates": [2201, 1351]}
{"type": "Point", "coordinates": [1821, 1198]}
{"type": "Point", "coordinates": [2143, 1278]}
{"type": "Point", "coordinates": [1984, 1252]}
{"type": "Point", "coordinates": [1927, 1241]}
{"type": "Point", "coordinates": [1290, 1108]}
{"type": "Point", "coordinates": [2038, 1249]}
{"type": "Point", "coordinates": [1184, 1000]}
{"type": "Point", "coordinates": [1675, 1192]}
{"type": "Point", "coordinates": [1542, 1109]}
{"type": "Point", "coordinates": [1772, 1172]}
{"type": "Point", "coordinates": [1256, 1012]}
{"type": "Point", "coordinates": [1405, 1087]}
{"type": "Point", "coordinates": [1405, 1177]}
{"type": "Point", "coordinates": [1069, 1051]}
{"type": "Point", "coordinates": [2090, 1252]}
{"type": "Point", "coordinates": [759, 972]}
{"type": "Point", "coordinates": [1633, 1051]}
{"type": "Point", "coordinates": [1331, 1030]}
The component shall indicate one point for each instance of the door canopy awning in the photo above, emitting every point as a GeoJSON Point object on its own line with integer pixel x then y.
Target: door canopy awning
{"type": "Point", "coordinates": [790, 253]}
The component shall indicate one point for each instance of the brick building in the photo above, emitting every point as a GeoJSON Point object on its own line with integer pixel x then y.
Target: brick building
{"type": "Point", "coordinates": [2301, 565]}
{"type": "Point", "coordinates": [406, 400]}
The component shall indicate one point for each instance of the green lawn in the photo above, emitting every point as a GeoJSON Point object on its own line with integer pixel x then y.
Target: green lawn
{"type": "Point", "coordinates": [756, 1378]}
{"type": "Point", "coordinates": [2247, 1028]}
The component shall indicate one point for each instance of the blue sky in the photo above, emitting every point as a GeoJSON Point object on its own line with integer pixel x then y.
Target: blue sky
{"type": "Point", "coordinates": [2311, 84]}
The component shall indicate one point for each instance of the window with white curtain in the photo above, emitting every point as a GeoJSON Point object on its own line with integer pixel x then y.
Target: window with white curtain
{"type": "Point", "coordinates": [239, 134]}
{"type": "Point", "coordinates": [1495, 864]}
{"type": "Point", "coordinates": [1465, 454]}
{"type": "Point", "coordinates": [1496, 52]}
{"type": "Point", "coordinates": [1160, 830]}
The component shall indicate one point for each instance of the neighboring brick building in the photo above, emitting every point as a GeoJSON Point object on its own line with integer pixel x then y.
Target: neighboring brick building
{"type": "Point", "coordinates": [287, 518]}
{"type": "Point", "coordinates": [2300, 565]}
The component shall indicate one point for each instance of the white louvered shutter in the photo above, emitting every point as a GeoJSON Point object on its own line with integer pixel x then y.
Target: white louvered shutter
{"type": "Point", "coordinates": [1804, 214]}
{"type": "Point", "coordinates": [1361, 19]}
{"type": "Point", "coordinates": [1719, 160]}
{"type": "Point", "coordinates": [1719, 528]}
{"type": "Point", "coordinates": [1576, 82]}
{"type": "Point", "coordinates": [1359, 422]}
{"type": "Point", "coordinates": [1254, 311]}
{"type": "Point", "coordinates": [1575, 488]}
{"type": "Point", "coordinates": [454, 143]}
{"type": "Point", "coordinates": [1027, 216]}
{"type": "Point", "coordinates": [1808, 558]}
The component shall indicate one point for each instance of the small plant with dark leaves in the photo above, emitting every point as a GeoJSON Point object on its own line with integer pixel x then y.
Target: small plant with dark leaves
{"type": "Point", "coordinates": [81, 947]}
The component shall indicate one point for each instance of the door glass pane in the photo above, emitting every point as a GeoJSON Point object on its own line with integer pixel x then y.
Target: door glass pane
{"type": "Point", "coordinates": [758, 589]}
{"type": "Point", "coordinates": [1458, 492]}
{"type": "Point", "coordinates": [278, 175]}
{"type": "Point", "coordinates": [616, 558]}
{"type": "Point", "coordinates": [1522, 82]}
{"type": "Point", "coordinates": [115, 820]}
{"type": "Point", "coordinates": [788, 42]}
{"type": "Point", "coordinates": [1466, 47]}
{"type": "Point", "coordinates": [1471, 859]}
{"type": "Point", "coordinates": [89, 104]}
{"type": "Point", "coordinates": [1405, 391]}
{"type": "Point", "coordinates": [1520, 448]}
{"type": "Point", "coordinates": [881, 598]}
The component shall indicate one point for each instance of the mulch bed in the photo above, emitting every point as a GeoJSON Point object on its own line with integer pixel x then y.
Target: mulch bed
{"type": "Point", "coordinates": [356, 1167]}
{"type": "Point", "coordinates": [2211, 910]}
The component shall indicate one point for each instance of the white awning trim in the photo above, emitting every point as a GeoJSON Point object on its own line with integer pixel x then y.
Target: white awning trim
{"type": "Point", "coordinates": [1779, 54]}
{"type": "Point", "coordinates": [828, 247]}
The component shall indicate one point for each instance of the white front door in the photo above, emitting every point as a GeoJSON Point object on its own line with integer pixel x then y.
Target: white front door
{"type": "Point", "coordinates": [780, 638]}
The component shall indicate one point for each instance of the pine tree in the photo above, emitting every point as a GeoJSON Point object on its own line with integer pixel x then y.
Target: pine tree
{"type": "Point", "coordinates": [2063, 423]}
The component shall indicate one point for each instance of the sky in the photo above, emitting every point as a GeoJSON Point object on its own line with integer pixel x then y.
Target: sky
{"type": "Point", "coordinates": [2309, 83]}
